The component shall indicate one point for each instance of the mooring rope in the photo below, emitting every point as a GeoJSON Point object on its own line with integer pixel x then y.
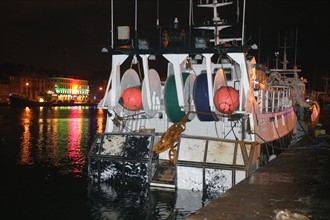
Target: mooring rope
{"type": "Point", "coordinates": [170, 139]}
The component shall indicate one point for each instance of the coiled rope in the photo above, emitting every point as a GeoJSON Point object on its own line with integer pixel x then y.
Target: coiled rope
{"type": "Point", "coordinates": [170, 139]}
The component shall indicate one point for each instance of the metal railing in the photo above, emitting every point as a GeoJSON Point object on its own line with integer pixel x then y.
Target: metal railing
{"type": "Point", "coordinates": [274, 99]}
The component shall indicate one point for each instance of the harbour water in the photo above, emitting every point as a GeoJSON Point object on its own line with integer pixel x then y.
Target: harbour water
{"type": "Point", "coordinates": [44, 154]}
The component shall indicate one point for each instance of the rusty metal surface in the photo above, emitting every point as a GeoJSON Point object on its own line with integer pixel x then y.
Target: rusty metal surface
{"type": "Point", "coordinates": [295, 185]}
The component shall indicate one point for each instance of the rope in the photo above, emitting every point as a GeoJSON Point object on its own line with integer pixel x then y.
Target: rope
{"type": "Point", "coordinates": [139, 68]}
{"type": "Point", "coordinates": [170, 139]}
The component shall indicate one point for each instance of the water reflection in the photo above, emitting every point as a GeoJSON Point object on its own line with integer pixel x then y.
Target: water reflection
{"type": "Point", "coordinates": [46, 154]}
{"type": "Point", "coordinates": [75, 154]}
{"type": "Point", "coordinates": [58, 137]}
{"type": "Point", "coordinates": [107, 203]}
{"type": "Point", "coordinates": [25, 156]}
{"type": "Point", "coordinates": [100, 121]}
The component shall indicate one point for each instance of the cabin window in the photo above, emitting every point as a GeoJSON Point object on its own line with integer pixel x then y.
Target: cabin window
{"type": "Point", "coordinates": [227, 72]}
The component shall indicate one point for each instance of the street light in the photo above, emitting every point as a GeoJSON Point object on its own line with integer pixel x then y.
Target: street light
{"type": "Point", "coordinates": [26, 89]}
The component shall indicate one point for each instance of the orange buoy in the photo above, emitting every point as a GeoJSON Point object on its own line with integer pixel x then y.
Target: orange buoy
{"type": "Point", "coordinates": [226, 99]}
{"type": "Point", "coordinates": [131, 99]}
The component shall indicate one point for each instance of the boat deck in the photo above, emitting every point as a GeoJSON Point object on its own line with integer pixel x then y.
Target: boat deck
{"type": "Point", "coordinates": [295, 185]}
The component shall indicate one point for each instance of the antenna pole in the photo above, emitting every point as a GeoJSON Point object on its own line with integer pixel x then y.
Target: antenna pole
{"type": "Point", "coordinates": [111, 21]}
{"type": "Point", "coordinates": [190, 20]}
{"type": "Point", "coordinates": [237, 12]}
{"type": "Point", "coordinates": [157, 22]}
{"type": "Point", "coordinates": [243, 25]}
{"type": "Point", "coordinates": [284, 56]}
{"type": "Point", "coordinates": [135, 40]}
{"type": "Point", "coordinates": [295, 50]}
{"type": "Point", "coordinates": [259, 46]}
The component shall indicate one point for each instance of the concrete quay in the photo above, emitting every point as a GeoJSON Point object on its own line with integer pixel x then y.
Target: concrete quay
{"type": "Point", "coordinates": [293, 186]}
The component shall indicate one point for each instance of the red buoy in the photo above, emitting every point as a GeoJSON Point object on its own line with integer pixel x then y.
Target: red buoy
{"type": "Point", "coordinates": [131, 99]}
{"type": "Point", "coordinates": [226, 99]}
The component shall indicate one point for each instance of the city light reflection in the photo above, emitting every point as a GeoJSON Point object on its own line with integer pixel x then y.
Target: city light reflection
{"type": "Point", "coordinates": [25, 157]}
{"type": "Point", "coordinates": [100, 121]}
{"type": "Point", "coordinates": [75, 134]}
{"type": "Point", "coordinates": [58, 137]}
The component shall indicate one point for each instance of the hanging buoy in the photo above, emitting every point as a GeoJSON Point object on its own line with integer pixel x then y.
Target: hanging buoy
{"type": "Point", "coordinates": [172, 108]}
{"type": "Point", "coordinates": [226, 99]}
{"type": "Point", "coordinates": [131, 99]}
{"type": "Point", "coordinates": [201, 99]}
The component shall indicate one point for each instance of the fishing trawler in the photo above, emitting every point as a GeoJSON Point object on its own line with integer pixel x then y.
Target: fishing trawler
{"type": "Point", "coordinates": [22, 101]}
{"type": "Point", "coordinates": [323, 96]}
{"type": "Point", "coordinates": [206, 124]}
{"type": "Point", "coordinates": [306, 106]}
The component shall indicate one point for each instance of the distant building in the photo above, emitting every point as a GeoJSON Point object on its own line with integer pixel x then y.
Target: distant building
{"type": "Point", "coordinates": [61, 88]}
{"type": "Point", "coordinates": [4, 87]}
{"type": "Point", "coordinates": [37, 87]}
{"type": "Point", "coordinates": [32, 87]}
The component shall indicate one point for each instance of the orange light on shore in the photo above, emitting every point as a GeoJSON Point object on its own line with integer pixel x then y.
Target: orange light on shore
{"type": "Point", "coordinates": [74, 89]}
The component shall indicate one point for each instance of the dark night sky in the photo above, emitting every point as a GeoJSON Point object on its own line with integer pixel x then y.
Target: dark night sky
{"type": "Point", "coordinates": [69, 34]}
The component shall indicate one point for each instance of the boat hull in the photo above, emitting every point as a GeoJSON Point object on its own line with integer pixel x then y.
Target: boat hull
{"type": "Point", "coordinates": [201, 164]}
{"type": "Point", "coordinates": [24, 102]}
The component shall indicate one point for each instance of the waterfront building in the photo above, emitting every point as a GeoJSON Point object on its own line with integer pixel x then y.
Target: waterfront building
{"type": "Point", "coordinates": [30, 86]}
{"type": "Point", "coordinates": [68, 89]}
{"type": "Point", "coordinates": [4, 87]}
{"type": "Point", "coordinates": [51, 89]}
